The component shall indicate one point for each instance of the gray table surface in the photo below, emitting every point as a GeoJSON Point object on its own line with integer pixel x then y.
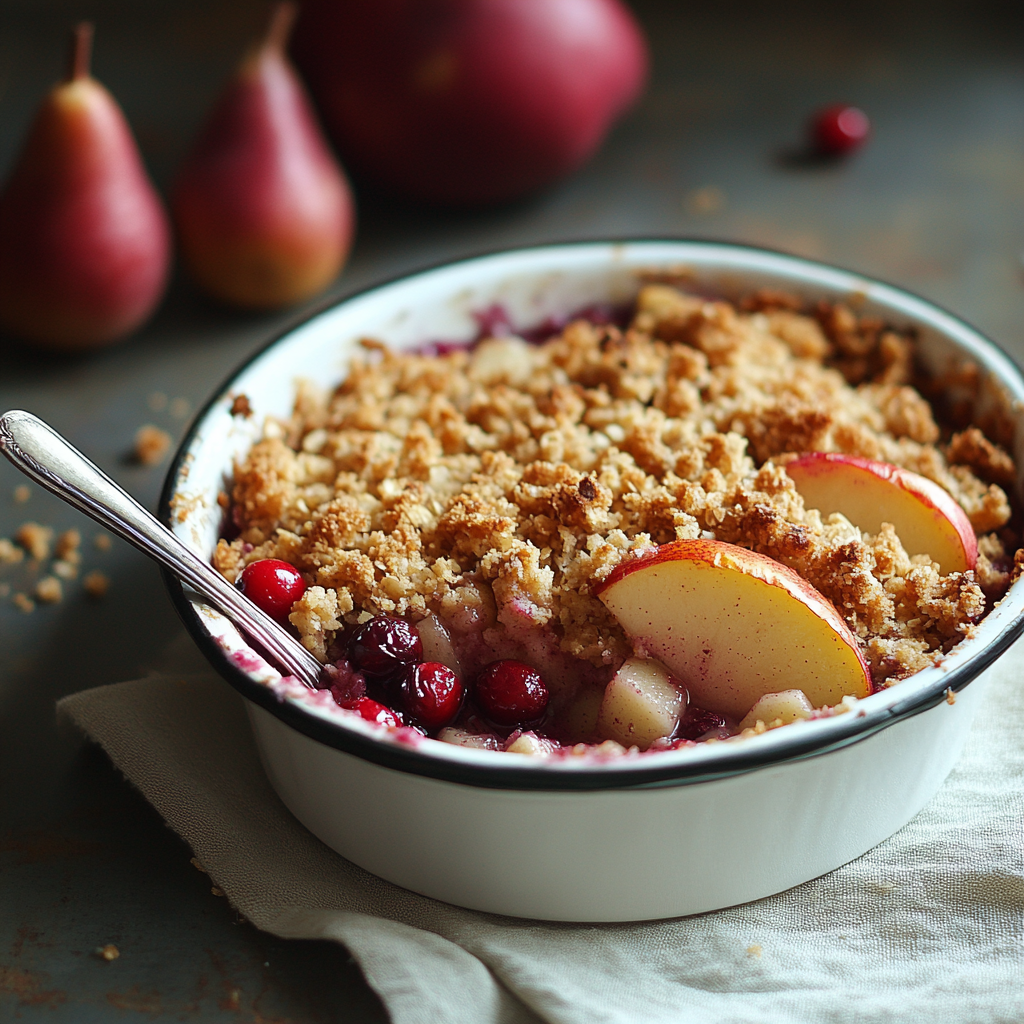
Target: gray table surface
{"type": "Point", "coordinates": [935, 203]}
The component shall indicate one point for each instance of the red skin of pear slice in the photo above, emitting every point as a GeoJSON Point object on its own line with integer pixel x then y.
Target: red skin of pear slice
{"type": "Point", "coordinates": [734, 624]}
{"type": "Point", "coordinates": [926, 517]}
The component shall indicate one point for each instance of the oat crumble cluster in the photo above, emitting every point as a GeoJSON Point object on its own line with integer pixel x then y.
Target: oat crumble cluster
{"type": "Point", "coordinates": [494, 486]}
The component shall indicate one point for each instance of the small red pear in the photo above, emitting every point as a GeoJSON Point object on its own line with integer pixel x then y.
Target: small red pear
{"type": "Point", "coordinates": [264, 212]}
{"type": "Point", "coordinates": [84, 240]}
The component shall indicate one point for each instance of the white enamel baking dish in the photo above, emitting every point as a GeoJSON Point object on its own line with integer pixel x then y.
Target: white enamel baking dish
{"type": "Point", "coordinates": [636, 838]}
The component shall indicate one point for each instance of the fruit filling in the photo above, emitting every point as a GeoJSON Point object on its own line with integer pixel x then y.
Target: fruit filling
{"type": "Point", "coordinates": [698, 521]}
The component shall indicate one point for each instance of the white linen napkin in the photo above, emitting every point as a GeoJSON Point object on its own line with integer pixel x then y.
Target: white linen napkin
{"type": "Point", "coordinates": [927, 927]}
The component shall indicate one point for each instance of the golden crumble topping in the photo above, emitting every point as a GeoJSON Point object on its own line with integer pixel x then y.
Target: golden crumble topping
{"type": "Point", "coordinates": [494, 486]}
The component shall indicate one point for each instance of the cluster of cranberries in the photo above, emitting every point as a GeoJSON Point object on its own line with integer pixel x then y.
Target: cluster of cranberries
{"type": "Point", "coordinates": [384, 658]}
{"type": "Point", "coordinates": [384, 668]}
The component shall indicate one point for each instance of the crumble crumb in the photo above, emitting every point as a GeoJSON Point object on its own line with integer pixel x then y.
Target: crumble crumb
{"type": "Point", "coordinates": [989, 461]}
{"type": "Point", "coordinates": [754, 951]}
{"type": "Point", "coordinates": [67, 546]}
{"type": "Point", "coordinates": [216, 890]}
{"type": "Point", "coordinates": [705, 202]}
{"type": "Point", "coordinates": [950, 696]}
{"type": "Point", "coordinates": [108, 952]}
{"type": "Point", "coordinates": [180, 408]}
{"type": "Point", "coordinates": [102, 542]}
{"type": "Point", "coordinates": [24, 602]}
{"type": "Point", "coordinates": [35, 539]}
{"type": "Point", "coordinates": [22, 493]}
{"type": "Point", "coordinates": [194, 861]}
{"type": "Point", "coordinates": [151, 445]}
{"type": "Point", "coordinates": [49, 590]}
{"type": "Point", "coordinates": [9, 553]}
{"type": "Point", "coordinates": [68, 554]}
{"type": "Point", "coordinates": [494, 487]}
{"type": "Point", "coordinates": [241, 407]}
{"type": "Point", "coordinates": [96, 584]}
{"type": "Point", "coordinates": [65, 570]}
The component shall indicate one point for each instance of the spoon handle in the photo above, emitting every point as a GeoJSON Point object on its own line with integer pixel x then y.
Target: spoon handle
{"type": "Point", "coordinates": [41, 453]}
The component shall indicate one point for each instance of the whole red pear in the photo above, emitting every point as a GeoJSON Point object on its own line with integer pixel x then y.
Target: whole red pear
{"type": "Point", "coordinates": [263, 211]}
{"type": "Point", "coordinates": [84, 240]}
{"type": "Point", "coordinates": [468, 102]}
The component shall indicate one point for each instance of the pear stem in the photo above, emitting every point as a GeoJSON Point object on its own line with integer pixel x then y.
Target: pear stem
{"type": "Point", "coordinates": [81, 51]}
{"type": "Point", "coordinates": [280, 28]}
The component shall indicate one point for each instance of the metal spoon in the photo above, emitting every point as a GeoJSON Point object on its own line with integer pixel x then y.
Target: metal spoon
{"type": "Point", "coordinates": [41, 453]}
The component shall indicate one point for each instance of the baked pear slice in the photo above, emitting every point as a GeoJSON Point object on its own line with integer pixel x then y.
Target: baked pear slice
{"type": "Point", "coordinates": [927, 519]}
{"type": "Point", "coordinates": [732, 625]}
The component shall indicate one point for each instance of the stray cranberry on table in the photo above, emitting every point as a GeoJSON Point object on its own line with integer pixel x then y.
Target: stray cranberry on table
{"type": "Point", "coordinates": [272, 585]}
{"type": "Point", "coordinates": [510, 693]}
{"type": "Point", "coordinates": [839, 129]}
{"type": "Point", "coordinates": [431, 694]}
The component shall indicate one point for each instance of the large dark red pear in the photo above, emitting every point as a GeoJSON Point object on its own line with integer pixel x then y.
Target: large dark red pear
{"type": "Point", "coordinates": [263, 210]}
{"type": "Point", "coordinates": [469, 102]}
{"type": "Point", "coordinates": [84, 240]}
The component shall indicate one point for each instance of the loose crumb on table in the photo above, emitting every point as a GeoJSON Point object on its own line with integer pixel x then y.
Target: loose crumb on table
{"type": "Point", "coordinates": [49, 590]}
{"type": "Point", "coordinates": [9, 553]}
{"type": "Point", "coordinates": [22, 493]}
{"type": "Point", "coordinates": [64, 569]}
{"type": "Point", "coordinates": [705, 202]}
{"type": "Point", "coordinates": [35, 539]}
{"type": "Point", "coordinates": [96, 584]}
{"type": "Point", "coordinates": [151, 445]}
{"type": "Point", "coordinates": [180, 408]}
{"type": "Point", "coordinates": [67, 546]}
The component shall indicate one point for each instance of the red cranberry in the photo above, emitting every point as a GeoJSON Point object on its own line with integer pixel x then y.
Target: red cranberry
{"type": "Point", "coordinates": [372, 711]}
{"type": "Point", "coordinates": [510, 693]}
{"type": "Point", "coordinates": [272, 585]}
{"type": "Point", "coordinates": [431, 694]}
{"type": "Point", "coordinates": [344, 682]}
{"type": "Point", "coordinates": [384, 646]}
{"type": "Point", "coordinates": [696, 722]}
{"type": "Point", "coordinates": [839, 129]}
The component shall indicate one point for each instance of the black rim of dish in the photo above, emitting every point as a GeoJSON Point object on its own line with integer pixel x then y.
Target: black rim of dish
{"type": "Point", "coordinates": [638, 773]}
